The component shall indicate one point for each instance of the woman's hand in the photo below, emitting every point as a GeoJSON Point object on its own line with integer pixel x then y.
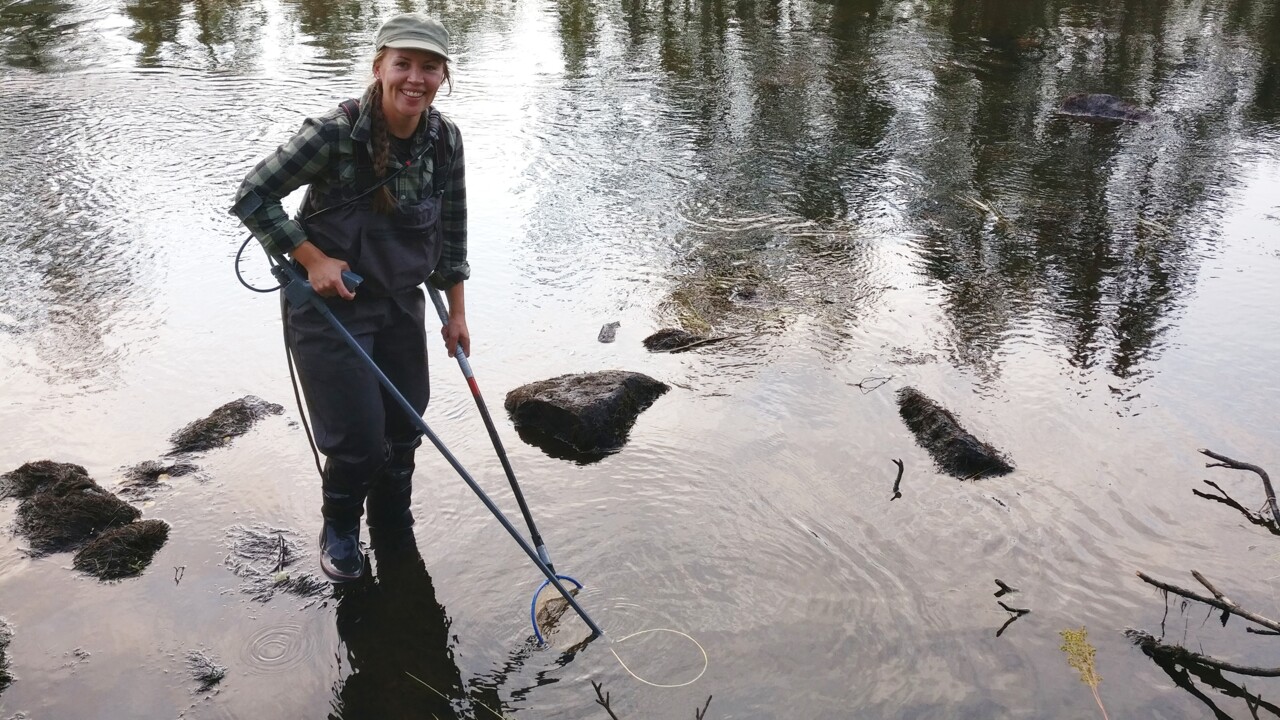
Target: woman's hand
{"type": "Point", "coordinates": [456, 335]}
{"type": "Point", "coordinates": [323, 272]}
{"type": "Point", "coordinates": [455, 331]}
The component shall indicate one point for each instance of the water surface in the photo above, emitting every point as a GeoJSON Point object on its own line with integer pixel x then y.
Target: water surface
{"type": "Point", "coordinates": [862, 189]}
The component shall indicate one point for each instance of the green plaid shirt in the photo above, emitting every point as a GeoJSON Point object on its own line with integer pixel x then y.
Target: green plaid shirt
{"type": "Point", "coordinates": [322, 154]}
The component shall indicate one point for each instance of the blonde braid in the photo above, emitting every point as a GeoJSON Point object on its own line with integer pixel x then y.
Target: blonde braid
{"type": "Point", "coordinates": [383, 201]}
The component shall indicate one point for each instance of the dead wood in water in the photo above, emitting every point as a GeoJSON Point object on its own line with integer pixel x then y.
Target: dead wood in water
{"type": "Point", "coordinates": [1250, 515]}
{"type": "Point", "coordinates": [605, 701]}
{"type": "Point", "coordinates": [1183, 656]}
{"type": "Point", "coordinates": [1226, 462]}
{"type": "Point", "coordinates": [897, 481]}
{"type": "Point", "coordinates": [1219, 600]}
{"type": "Point", "coordinates": [953, 448]}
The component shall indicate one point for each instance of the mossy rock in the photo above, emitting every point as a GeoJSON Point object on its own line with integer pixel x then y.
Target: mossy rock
{"type": "Point", "coordinates": [67, 510]}
{"type": "Point", "coordinates": [229, 421]}
{"type": "Point", "coordinates": [123, 551]}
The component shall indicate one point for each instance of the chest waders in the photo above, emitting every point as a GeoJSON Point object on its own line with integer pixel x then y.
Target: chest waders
{"type": "Point", "coordinates": [394, 251]}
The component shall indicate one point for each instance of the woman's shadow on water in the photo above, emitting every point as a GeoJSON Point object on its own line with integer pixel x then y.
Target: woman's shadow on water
{"type": "Point", "coordinates": [396, 639]}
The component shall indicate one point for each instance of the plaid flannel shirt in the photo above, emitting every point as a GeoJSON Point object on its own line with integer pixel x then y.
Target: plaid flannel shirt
{"type": "Point", "coordinates": [322, 154]}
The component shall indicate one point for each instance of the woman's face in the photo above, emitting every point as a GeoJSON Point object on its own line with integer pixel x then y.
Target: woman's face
{"type": "Point", "coordinates": [409, 80]}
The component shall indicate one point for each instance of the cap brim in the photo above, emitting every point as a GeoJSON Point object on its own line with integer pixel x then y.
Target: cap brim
{"type": "Point", "coordinates": [417, 45]}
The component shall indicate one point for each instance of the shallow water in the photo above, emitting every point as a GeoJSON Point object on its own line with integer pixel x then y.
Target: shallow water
{"type": "Point", "coordinates": [863, 189]}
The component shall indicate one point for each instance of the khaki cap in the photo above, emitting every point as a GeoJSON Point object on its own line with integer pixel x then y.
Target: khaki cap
{"type": "Point", "coordinates": [413, 31]}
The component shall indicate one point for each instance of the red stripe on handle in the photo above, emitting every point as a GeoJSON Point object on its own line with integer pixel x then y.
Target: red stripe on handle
{"type": "Point", "coordinates": [475, 389]}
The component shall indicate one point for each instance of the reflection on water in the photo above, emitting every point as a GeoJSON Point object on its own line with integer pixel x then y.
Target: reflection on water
{"type": "Point", "coordinates": [860, 189]}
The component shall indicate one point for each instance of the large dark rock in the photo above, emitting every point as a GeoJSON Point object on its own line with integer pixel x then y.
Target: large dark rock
{"type": "Point", "coordinates": [954, 449]}
{"type": "Point", "coordinates": [669, 339]}
{"type": "Point", "coordinates": [231, 420]}
{"type": "Point", "coordinates": [589, 412]}
{"type": "Point", "coordinates": [6, 636]}
{"type": "Point", "coordinates": [1099, 107]}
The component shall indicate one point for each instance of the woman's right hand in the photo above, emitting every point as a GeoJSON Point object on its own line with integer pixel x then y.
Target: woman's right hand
{"type": "Point", "coordinates": [323, 272]}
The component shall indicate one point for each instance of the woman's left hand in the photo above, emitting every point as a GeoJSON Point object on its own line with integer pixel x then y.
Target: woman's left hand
{"type": "Point", "coordinates": [456, 335]}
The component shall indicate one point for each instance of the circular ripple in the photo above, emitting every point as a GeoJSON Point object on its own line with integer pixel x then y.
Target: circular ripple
{"type": "Point", "coordinates": [276, 649]}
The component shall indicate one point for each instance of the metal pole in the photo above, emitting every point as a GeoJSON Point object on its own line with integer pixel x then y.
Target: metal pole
{"type": "Point", "coordinates": [493, 431]}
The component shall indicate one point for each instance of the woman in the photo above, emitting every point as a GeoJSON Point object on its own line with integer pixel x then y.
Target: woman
{"type": "Point", "coordinates": [410, 230]}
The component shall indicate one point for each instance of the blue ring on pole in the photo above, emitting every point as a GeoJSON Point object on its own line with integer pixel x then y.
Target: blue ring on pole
{"type": "Point", "coordinates": [533, 605]}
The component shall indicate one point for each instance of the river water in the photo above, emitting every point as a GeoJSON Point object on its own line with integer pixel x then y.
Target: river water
{"type": "Point", "coordinates": [861, 189]}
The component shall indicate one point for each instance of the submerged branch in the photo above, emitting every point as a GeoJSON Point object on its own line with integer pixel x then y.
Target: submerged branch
{"type": "Point", "coordinates": [1184, 657]}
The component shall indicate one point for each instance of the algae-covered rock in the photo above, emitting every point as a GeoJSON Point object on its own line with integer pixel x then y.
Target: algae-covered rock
{"type": "Point", "coordinates": [123, 551]}
{"type": "Point", "coordinates": [6, 635]}
{"type": "Point", "coordinates": [671, 339]}
{"type": "Point", "coordinates": [32, 476]}
{"type": "Point", "coordinates": [953, 448]}
{"type": "Point", "coordinates": [589, 412]}
{"type": "Point", "coordinates": [229, 421]}
{"type": "Point", "coordinates": [64, 507]}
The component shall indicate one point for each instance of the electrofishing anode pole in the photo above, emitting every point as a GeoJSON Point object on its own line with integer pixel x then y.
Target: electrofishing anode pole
{"type": "Point", "coordinates": [298, 291]}
{"type": "Point", "coordinates": [493, 432]}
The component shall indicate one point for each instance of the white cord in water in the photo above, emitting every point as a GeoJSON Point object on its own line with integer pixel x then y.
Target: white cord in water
{"type": "Point", "coordinates": [705, 661]}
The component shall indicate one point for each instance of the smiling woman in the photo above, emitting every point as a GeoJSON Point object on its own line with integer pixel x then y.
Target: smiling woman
{"type": "Point", "coordinates": [397, 231]}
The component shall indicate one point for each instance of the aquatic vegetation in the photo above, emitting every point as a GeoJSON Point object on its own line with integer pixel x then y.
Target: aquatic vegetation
{"type": "Point", "coordinates": [1080, 655]}
{"type": "Point", "coordinates": [205, 669]}
{"type": "Point", "coordinates": [123, 551]}
{"type": "Point", "coordinates": [6, 635]}
{"type": "Point", "coordinates": [226, 422]}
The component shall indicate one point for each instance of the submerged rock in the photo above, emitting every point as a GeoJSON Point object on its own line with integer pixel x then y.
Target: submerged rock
{"type": "Point", "coordinates": [1100, 107]}
{"type": "Point", "coordinates": [589, 412]}
{"type": "Point", "coordinates": [123, 551]}
{"type": "Point", "coordinates": [229, 421]}
{"type": "Point", "coordinates": [669, 339]}
{"type": "Point", "coordinates": [608, 332]}
{"type": "Point", "coordinates": [954, 450]}
{"type": "Point", "coordinates": [62, 506]}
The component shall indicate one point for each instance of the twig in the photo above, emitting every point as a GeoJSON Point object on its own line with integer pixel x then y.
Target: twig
{"type": "Point", "coordinates": [897, 481]}
{"type": "Point", "coordinates": [1183, 656]}
{"type": "Point", "coordinates": [1220, 603]}
{"type": "Point", "coordinates": [1224, 461]}
{"type": "Point", "coordinates": [1229, 501]}
{"type": "Point", "coordinates": [1004, 588]}
{"type": "Point", "coordinates": [1018, 611]}
{"type": "Point", "coordinates": [702, 714]}
{"type": "Point", "coordinates": [602, 699]}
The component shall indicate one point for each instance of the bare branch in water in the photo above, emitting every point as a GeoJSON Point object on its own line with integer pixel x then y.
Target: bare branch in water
{"type": "Point", "coordinates": [898, 481]}
{"type": "Point", "coordinates": [1004, 588]}
{"type": "Point", "coordinates": [1220, 602]}
{"type": "Point", "coordinates": [1229, 501]}
{"type": "Point", "coordinates": [1183, 656]}
{"type": "Point", "coordinates": [602, 699]}
{"type": "Point", "coordinates": [702, 714]}
{"type": "Point", "coordinates": [1224, 461]}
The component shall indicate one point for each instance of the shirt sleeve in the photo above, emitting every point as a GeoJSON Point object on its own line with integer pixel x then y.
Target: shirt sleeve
{"type": "Point", "coordinates": [296, 163]}
{"type": "Point", "coordinates": [453, 267]}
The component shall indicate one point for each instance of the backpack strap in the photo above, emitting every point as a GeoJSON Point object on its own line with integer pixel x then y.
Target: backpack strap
{"type": "Point", "coordinates": [351, 108]}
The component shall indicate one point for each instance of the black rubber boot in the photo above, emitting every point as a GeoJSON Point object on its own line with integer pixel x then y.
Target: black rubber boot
{"type": "Point", "coordinates": [341, 558]}
{"type": "Point", "coordinates": [390, 517]}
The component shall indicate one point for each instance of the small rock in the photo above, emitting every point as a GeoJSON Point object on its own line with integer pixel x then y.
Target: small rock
{"type": "Point", "coordinates": [589, 412]}
{"type": "Point", "coordinates": [608, 332]}
{"type": "Point", "coordinates": [954, 450]}
{"type": "Point", "coordinates": [229, 421]}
